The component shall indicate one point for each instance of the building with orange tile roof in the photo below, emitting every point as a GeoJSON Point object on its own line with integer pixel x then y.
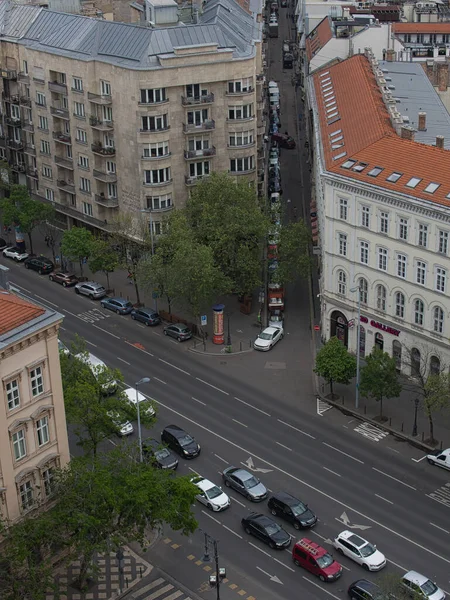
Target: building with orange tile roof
{"type": "Point", "coordinates": [422, 41]}
{"type": "Point", "coordinates": [381, 172]}
{"type": "Point", "coordinates": [33, 432]}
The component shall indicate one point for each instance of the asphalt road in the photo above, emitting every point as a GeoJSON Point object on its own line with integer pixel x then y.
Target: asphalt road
{"type": "Point", "coordinates": [335, 470]}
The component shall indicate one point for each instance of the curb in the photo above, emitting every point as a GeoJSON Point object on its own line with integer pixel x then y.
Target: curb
{"type": "Point", "coordinates": [219, 354]}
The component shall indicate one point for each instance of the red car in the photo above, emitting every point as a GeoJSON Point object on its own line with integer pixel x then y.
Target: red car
{"type": "Point", "coordinates": [65, 279]}
{"type": "Point", "coordinates": [283, 140]}
{"type": "Point", "coordinates": [316, 560]}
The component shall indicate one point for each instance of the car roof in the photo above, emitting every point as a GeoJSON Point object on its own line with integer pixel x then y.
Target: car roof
{"type": "Point", "coordinates": [204, 484]}
{"type": "Point", "coordinates": [285, 497]}
{"type": "Point", "coordinates": [311, 547]}
{"type": "Point", "coordinates": [242, 474]}
{"type": "Point", "coordinates": [92, 283]}
{"type": "Point", "coordinates": [130, 393]}
{"type": "Point", "coordinates": [121, 300]}
{"type": "Point", "coordinates": [364, 584]}
{"type": "Point", "coordinates": [415, 577]}
{"type": "Point", "coordinates": [175, 430]}
{"type": "Point", "coordinates": [355, 539]}
{"type": "Point", "coordinates": [151, 443]}
{"type": "Point", "coordinates": [261, 519]}
{"type": "Point", "coordinates": [148, 311]}
{"type": "Point", "coordinates": [270, 330]}
{"type": "Point", "coordinates": [91, 360]}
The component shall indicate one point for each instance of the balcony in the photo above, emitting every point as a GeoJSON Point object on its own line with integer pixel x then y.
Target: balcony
{"type": "Point", "coordinates": [162, 210]}
{"type": "Point", "coordinates": [25, 101]}
{"type": "Point", "coordinates": [9, 74]}
{"type": "Point", "coordinates": [18, 168]}
{"type": "Point", "coordinates": [103, 150]}
{"type": "Point", "coordinates": [28, 126]}
{"type": "Point", "coordinates": [66, 163]}
{"type": "Point", "coordinates": [30, 149]}
{"type": "Point", "coordinates": [13, 98]}
{"type": "Point", "coordinates": [63, 138]}
{"type": "Point", "coordinates": [159, 130]}
{"type": "Point", "coordinates": [66, 186]}
{"type": "Point", "coordinates": [240, 120]}
{"type": "Point", "coordinates": [197, 100]}
{"type": "Point", "coordinates": [246, 92]}
{"type": "Point", "coordinates": [2, 141]}
{"type": "Point", "coordinates": [23, 77]}
{"type": "Point", "coordinates": [99, 99]}
{"type": "Point", "coordinates": [61, 113]}
{"type": "Point", "coordinates": [105, 177]}
{"type": "Point", "coordinates": [194, 180]}
{"type": "Point", "coordinates": [58, 88]}
{"type": "Point", "coordinates": [192, 154]}
{"type": "Point", "coordinates": [247, 172]}
{"type": "Point", "coordinates": [14, 121]}
{"type": "Point", "coordinates": [105, 201]}
{"type": "Point", "coordinates": [14, 144]}
{"type": "Point", "coordinates": [97, 123]}
{"type": "Point", "coordinates": [158, 183]}
{"type": "Point", "coordinates": [205, 126]}
{"type": "Point", "coordinates": [31, 172]}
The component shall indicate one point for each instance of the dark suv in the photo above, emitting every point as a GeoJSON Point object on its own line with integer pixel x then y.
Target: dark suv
{"type": "Point", "coordinates": [283, 140]}
{"type": "Point", "coordinates": [365, 590]}
{"type": "Point", "coordinates": [39, 263]}
{"type": "Point", "coordinates": [291, 509]}
{"type": "Point", "coordinates": [180, 441]}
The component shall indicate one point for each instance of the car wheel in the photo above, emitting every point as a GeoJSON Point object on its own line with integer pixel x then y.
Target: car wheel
{"type": "Point", "coordinates": [273, 512]}
{"type": "Point", "coordinates": [27, 266]}
{"type": "Point", "coordinates": [340, 551]}
{"type": "Point", "coordinates": [40, 271]}
{"type": "Point", "coordinates": [16, 259]}
{"type": "Point", "coordinates": [77, 291]}
{"type": "Point", "coordinates": [227, 483]}
{"type": "Point", "coordinates": [366, 567]}
{"type": "Point", "coordinates": [322, 578]}
{"type": "Point", "coordinates": [248, 530]}
{"type": "Point", "coordinates": [430, 461]}
{"type": "Point", "coordinates": [133, 317]}
{"type": "Point", "coordinates": [209, 505]}
{"type": "Point", "coordinates": [148, 323]}
{"type": "Point", "coordinates": [64, 284]}
{"type": "Point", "coordinates": [117, 312]}
{"type": "Point", "coordinates": [272, 545]}
{"type": "Point", "coordinates": [248, 496]}
{"type": "Point", "coordinates": [179, 339]}
{"type": "Point", "coordinates": [281, 336]}
{"type": "Point", "coordinates": [296, 563]}
{"type": "Point", "coordinates": [296, 525]}
{"type": "Point", "coordinates": [91, 296]}
{"type": "Point", "coordinates": [165, 332]}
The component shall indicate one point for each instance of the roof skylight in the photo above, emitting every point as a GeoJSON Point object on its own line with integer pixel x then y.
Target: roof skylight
{"type": "Point", "coordinates": [337, 139]}
{"type": "Point", "coordinates": [337, 132]}
{"type": "Point", "coordinates": [327, 88]}
{"type": "Point", "coordinates": [333, 114]}
{"type": "Point", "coordinates": [335, 120]}
{"type": "Point", "coordinates": [328, 94]}
{"type": "Point", "coordinates": [394, 177]}
{"type": "Point", "coordinates": [349, 164]}
{"type": "Point", "coordinates": [336, 146]}
{"type": "Point", "coordinates": [341, 155]}
{"type": "Point", "coordinates": [432, 187]}
{"type": "Point", "coordinates": [360, 167]}
{"type": "Point", "coordinates": [413, 182]}
{"type": "Point", "coordinates": [375, 171]}
{"type": "Point", "coordinates": [325, 73]}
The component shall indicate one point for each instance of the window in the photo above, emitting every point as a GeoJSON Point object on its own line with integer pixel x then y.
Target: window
{"type": "Point", "coordinates": [87, 209]}
{"type": "Point", "coordinates": [403, 229]}
{"type": "Point", "coordinates": [198, 169]}
{"type": "Point", "coordinates": [443, 242]}
{"type": "Point", "coordinates": [37, 381]}
{"type": "Point", "coordinates": [159, 202]}
{"type": "Point", "coordinates": [105, 88]}
{"type": "Point", "coordinates": [394, 177]}
{"type": "Point", "coordinates": [421, 269]}
{"type": "Point", "coordinates": [363, 290]}
{"type": "Point", "coordinates": [401, 265]}
{"type": "Point", "coordinates": [381, 297]}
{"type": "Point", "coordinates": [364, 252]}
{"type": "Point", "coordinates": [110, 167]}
{"type": "Point", "coordinates": [81, 136]}
{"type": "Point", "coordinates": [83, 161]}
{"type": "Point", "coordinates": [157, 176]}
{"type": "Point", "coordinates": [441, 279]}
{"type": "Point", "coordinates": [156, 150]}
{"type": "Point", "coordinates": [418, 312]}
{"type": "Point", "coordinates": [45, 147]}
{"type": "Point", "coordinates": [78, 110]}
{"type": "Point", "coordinates": [77, 84]}
{"type": "Point", "coordinates": [413, 182]}
{"type": "Point", "coordinates": [49, 194]}
{"type": "Point", "coordinates": [423, 235]}
{"type": "Point", "coordinates": [155, 226]}
{"type": "Point", "coordinates": [26, 495]}
{"type": "Point", "coordinates": [48, 477]}
{"type": "Point", "coordinates": [85, 185]}
{"type": "Point", "coordinates": [12, 394]}
{"type": "Point", "coordinates": [438, 320]}
{"type": "Point", "coordinates": [42, 431]}
{"type": "Point", "coordinates": [107, 114]}
{"type": "Point", "coordinates": [240, 85]}
{"type": "Point", "coordinates": [40, 99]}
{"type": "Point", "coordinates": [153, 96]}
{"type": "Point", "coordinates": [15, 112]}
{"type": "Point", "coordinates": [342, 283]}
{"type": "Point", "coordinates": [108, 141]}
{"type": "Point", "coordinates": [197, 117]}
{"type": "Point", "coordinates": [239, 165]}
{"type": "Point", "coordinates": [25, 67]}
{"type": "Point", "coordinates": [195, 90]}
{"type": "Point", "coordinates": [19, 445]}
{"type": "Point", "coordinates": [365, 216]}
{"type": "Point", "coordinates": [112, 190]}
{"type": "Point", "coordinates": [46, 171]}
{"type": "Point", "coordinates": [343, 208]}
{"type": "Point", "coordinates": [240, 112]}
{"type": "Point", "coordinates": [384, 222]}
{"type": "Point", "coordinates": [400, 305]}
{"type": "Point", "coordinates": [382, 259]}
{"type": "Point", "coordinates": [154, 123]}
{"type": "Point", "coordinates": [241, 138]}
{"type": "Point", "coordinates": [342, 239]}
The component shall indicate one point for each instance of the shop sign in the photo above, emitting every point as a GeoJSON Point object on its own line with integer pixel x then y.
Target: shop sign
{"type": "Point", "coordinates": [380, 326]}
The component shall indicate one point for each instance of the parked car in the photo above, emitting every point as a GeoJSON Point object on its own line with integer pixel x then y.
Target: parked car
{"type": "Point", "coordinates": [275, 186]}
{"type": "Point", "coordinates": [267, 339]}
{"type": "Point", "coordinates": [148, 316]}
{"type": "Point", "coordinates": [210, 494]}
{"type": "Point", "coordinates": [39, 263]}
{"type": "Point", "coordinates": [276, 319]}
{"type": "Point", "coordinates": [420, 586]}
{"type": "Point", "coordinates": [440, 458]}
{"type": "Point", "coordinates": [292, 510]}
{"type": "Point", "coordinates": [92, 289]}
{"type": "Point", "coordinates": [267, 530]}
{"type": "Point", "coordinates": [65, 279]}
{"type": "Point", "coordinates": [118, 305]}
{"type": "Point", "coordinates": [245, 483]}
{"type": "Point", "coordinates": [123, 428]}
{"type": "Point", "coordinates": [283, 140]}
{"type": "Point", "coordinates": [63, 348]}
{"type": "Point", "coordinates": [180, 441]}
{"type": "Point", "coordinates": [15, 253]}
{"type": "Point", "coordinates": [275, 172]}
{"type": "Point", "coordinates": [98, 367]}
{"type": "Point", "coordinates": [159, 454]}
{"type": "Point", "coordinates": [145, 405]}
{"type": "Point", "coordinates": [316, 560]}
{"type": "Point", "coordinates": [179, 331]}
{"type": "Point", "coordinates": [360, 550]}
{"type": "Point", "coordinates": [365, 590]}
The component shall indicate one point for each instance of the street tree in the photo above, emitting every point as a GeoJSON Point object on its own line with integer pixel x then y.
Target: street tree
{"type": "Point", "coordinates": [76, 245]}
{"type": "Point", "coordinates": [436, 398]}
{"type": "Point", "coordinates": [50, 230]}
{"type": "Point", "coordinates": [20, 210]}
{"type": "Point", "coordinates": [225, 216]}
{"type": "Point", "coordinates": [103, 258]}
{"type": "Point", "coordinates": [335, 364]}
{"type": "Point", "coordinates": [391, 587]}
{"type": "Point", "coordinates": [379, 378]}
{"type": "Point", "coordinates": [5, 175]}
{"type": "Point", "coordinates": [293, 255]}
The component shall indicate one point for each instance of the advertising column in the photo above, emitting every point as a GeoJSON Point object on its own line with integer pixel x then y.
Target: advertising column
{"type": "Point", "coordinates": [218, 337]}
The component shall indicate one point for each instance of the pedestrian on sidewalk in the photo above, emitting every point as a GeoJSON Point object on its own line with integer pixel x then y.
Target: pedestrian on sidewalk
{"type": "Point", "coordinates": [47, 239]}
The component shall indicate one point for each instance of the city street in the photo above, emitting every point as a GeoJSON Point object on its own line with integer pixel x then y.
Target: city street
{"type": "Point", "coordinates": [351, 480]}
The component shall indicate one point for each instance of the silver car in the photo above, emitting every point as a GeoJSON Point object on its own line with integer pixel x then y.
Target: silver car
{"type": "Point", "coordinates": [92, 289]}
{"type": "Point", "coordinates": [245, 483]}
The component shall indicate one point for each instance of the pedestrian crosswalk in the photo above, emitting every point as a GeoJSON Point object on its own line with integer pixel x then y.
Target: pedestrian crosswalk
{"type": "Point", "coordinates": [441, 495]}
{"type": "Point", "coordinates": [159, 589]}
{"type": "Point", "coordinates": [371, 432]}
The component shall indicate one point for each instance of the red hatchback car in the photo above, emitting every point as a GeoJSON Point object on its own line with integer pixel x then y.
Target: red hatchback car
{"type": "Point", "coordinates": [316, 560]}
{"type": "Point", "coordinates": [65, 279]}
{"type": "Point", "coordinates": [283, 140]}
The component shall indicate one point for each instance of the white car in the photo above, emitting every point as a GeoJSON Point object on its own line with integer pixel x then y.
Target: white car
{"type": "Point", "coordinates": [16, 253]}
{"type": "Point", "coordinates": [97, 366]}
{"type": "Point", "coordinates": [420, 586]}
{"type": "Point", "coordinates": [267, 339]}
{"type": "Point", "coordinates": [441, 458]}
{"type": "Point", "coordinates": [211, 495]}
{"type": "Point", "coordinates": [360, 550]}
{"type": "Point", "coordinates": [125, 428]}
{"type": "Point", "coordinates": [276, 319]}
{"type": "Point", "coordinates": [130, 393]}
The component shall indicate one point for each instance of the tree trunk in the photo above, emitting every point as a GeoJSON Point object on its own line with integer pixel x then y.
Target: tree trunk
{"type": "Point", "coordinates": [31, 242]}
{"type": "Point", "coordinates": [81, 580]}
{"type": "Point", "coordinates": [81, 265]}
{"type": "Point", "coordinates": [169, 304]}
{"type": "Point", "coordinates": [381, 408]}
{"type": "Point", "coordinates": [331, 388]}
{"type": "Point", "coordinates": [107, 278]}
{"type": "Point", "coordinates": [431, 424]}
{"type": "Point", "coordinates": [136, 287]}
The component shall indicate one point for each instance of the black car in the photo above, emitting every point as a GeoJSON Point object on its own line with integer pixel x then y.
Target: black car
{"type": "Point", "coordinates": [148, 316]}
{"type": "Point", "coordinates": [40, 264]}
{"type": "Point", "coordinates": [365, 590]}
{"type": "Point", "coordinates": [293, 510]}
{"type": "Point", "coordinates": [180, 441]}
{"type": "Point", "coordinates": [3, 243]}
{"type": "Point", "coordinates": [159, 455]}
{"type": "Point", "coordinates": [267, 530]}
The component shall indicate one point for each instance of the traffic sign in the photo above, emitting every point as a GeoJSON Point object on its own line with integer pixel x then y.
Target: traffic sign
{"type": "Point", "coordinates": [204, 320]}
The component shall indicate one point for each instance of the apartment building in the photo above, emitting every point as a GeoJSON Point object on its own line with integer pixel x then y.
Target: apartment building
{"type": "Point", "coordinates": [381, 172]}
{"type": "Point", "coordinates": [102, 117]}
{"type": "Point", "coordinates": [33, 433]}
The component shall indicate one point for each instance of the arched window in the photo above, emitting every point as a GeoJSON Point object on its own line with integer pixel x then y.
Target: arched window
{"type": "Point", "coordinates": [435, 365]}
{"type": "Point", "coordinates": [418, 312]}
{"type": "Point", "coordinates": [400, 305]}
{"type": "Point", "coordinates": [342, 283]}
{"type": "Point", "coordinates": [415, 362]}
{"type": "Point", "coordinates": [381, 297]}
{"type": "Point", "coordinates": [363, 287]}
{"type": "Point", "coordinates": [438, 320]}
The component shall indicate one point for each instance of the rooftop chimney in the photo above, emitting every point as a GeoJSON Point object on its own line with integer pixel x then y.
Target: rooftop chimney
{"type": "Point", "coordinates": [390, 55]}
{"type": "Point", "coordinates": [442, 76]}
{"type": "Point", "coordinates": [407, 132]}
{"type": "Point", "coordinates": [422, 121]}
{"type": "Point", "coordinates": [440, 141]}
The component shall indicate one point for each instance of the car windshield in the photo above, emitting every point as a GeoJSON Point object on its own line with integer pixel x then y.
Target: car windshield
{"type": "Point", "coordinates": [183, 330]}
{"type": "Point", "coordinates": [276, 318]}
{"type": "Point", "coordinates": [250, 482]}
{"type": "Point", "coordinates": [185, 440]}
{"type": "Point", "coordinates": [162, 453]}
{"type": "Point", "coordinates": [127, 304]}
{"type": "Point", "coordinates": [325, 561]}
{"type": "Point", "coordinates": [429, 588]}
{"type": "Point", "coordinates": [298, 509]}
{"type": "Point", "coordinates": [367, 550]}
{"type": "Point", "coordinates": [272, 529]}
{"type": "Point", "coordinates": [214, 492]}
{"type": "Point", "coordinates": [265, 336]}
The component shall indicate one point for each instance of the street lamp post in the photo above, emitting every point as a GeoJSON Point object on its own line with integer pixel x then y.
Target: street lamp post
{"type": "Point", "coordinates": [140, 382]}
{"type": "Point", "coordinates": [214, 580]}
{"type": "Point", "coordinates": [416, 406]}
{"type": "Point", "coordinates": [358, 336]}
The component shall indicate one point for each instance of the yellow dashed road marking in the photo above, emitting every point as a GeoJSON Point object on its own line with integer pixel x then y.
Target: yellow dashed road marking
{"type": "Point", "coordinates": [191, 557]}
{"type": "Point", "coordinates": [233, 586]}
{"type": "Point", "coordinates": [207, 568]}
{"type": "Point", "coordinates": [242, 592]}
{"type": "Point", "coordinates": [167, 541]}
{"type": "Point", "coordinates": [198, 562]}
{"type": "Point", "coordinates": [176, 546]}
{"type": "Point", "coordinates": [251, 598]}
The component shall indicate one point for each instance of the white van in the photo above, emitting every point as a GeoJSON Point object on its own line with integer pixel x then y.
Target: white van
{"type": "Point", "coordinates": [96, 365]}
{"type": "Point", "coordinates": [273, 84]}
{"type": "Point", "coordinates": [440, 458]}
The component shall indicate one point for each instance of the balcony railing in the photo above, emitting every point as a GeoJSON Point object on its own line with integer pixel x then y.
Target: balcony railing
{"type": "Point", "coordinates": [67, 163]}
{"type": "Point", "coordinates": [28, 126]}
{"type": "Point", "coordinates": [62, 137]}
{"type": "Point", "coordinates": [13, 98]}
{"type": "Point", "coordinates": [62, 113]}
{"type": "Point", "coordinates": [25, 101]}
{"type": "Point", "coordinates": [58, 88]}
{"type": "Point", "coordinates": [247, 172]}
{"type": "Point", "coordinates": [193, 100]}
{"type": "Point", "coordinates": [8, 74]}
{"type": "Point", "coordinates": [23, 77]}
{"type": "Point", "coordinates": [69, 210]}
{"type": "Point", "coordinates": [11, 143]}
{"type": "Point", "coordinates": [97, 123]}
{"type": "Point", "coordinates": [105, 201]}
{"type": "Point", "coordinates": [190, 154]}
{"type": "Point", "coordinates": [18, 167]}
{"type": "Point", "coordinates": [30, 149]}
{"type": "Point", "coordinates": [14, 121]}
{"type": "Point", "coordinates": [194, 180]}
{"type": "Point", "coordinates": [158, 183]}
{"type": "Point", "coordinates": [105, 177]}
{"type": "Point", "coordinates": [158, 130]}
{"type": "Point", "coordinates": [32, 172]}
{"type": "Point", "coordinates": [103, 150]}
{"type": "Point", "coordinates": [249, 90]}
{"type": "Point", "coordinates": [205, 126]}
{"type": "Point", "coordinates": [66, 186]}
{"type": "Point", "coordinates": [99, 98]}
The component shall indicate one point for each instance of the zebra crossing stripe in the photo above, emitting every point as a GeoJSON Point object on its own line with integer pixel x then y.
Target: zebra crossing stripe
{"type": "Point", "coordinates": [441, 495]}
{"type": "Point", "coordinates": [371, 432]}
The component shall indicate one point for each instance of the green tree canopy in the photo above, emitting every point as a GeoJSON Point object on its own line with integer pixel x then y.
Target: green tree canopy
{"type": "Point", "coordinates": [293, 256]}
{"type": "Point", "coordinates": [76, 245]}
{"type": "Point", "coordinates": [103, 258]}
{"type": "Point", "coordinates": [379, 377]}
{"type": "Point", "coordinates": [436, 397]}
{"type": "Point", "coordinates": [334, 363]}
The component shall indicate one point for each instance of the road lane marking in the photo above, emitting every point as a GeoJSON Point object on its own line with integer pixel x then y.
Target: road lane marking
{"type": "Point", "coordinates": [283, 564]}
{"type": "Point", "coordinates": [62, 328]}
{"type": "Point", "coordinates": [174, 366]}
{"type": "Point", "coordinates": [69, 313]}
{"type": "Point", "coordinates": [395, 479]}
{"type": "Point", "coordinates": [397, 565]}
{"type": "Point", "coordinates": [342, 452]}
{"type": "Point", "coordinates": [385, 499]}
{"type": "Point", "coordinates": [126, 362]}
{"type": "Point", "coordinates": [199, 401]}
{"type": "Point", "coordinates": [239, 423]}
{"type": "Point", "coordinates": [420, 459]}
{"type": "Point", "coordinates": [211, 517]}
{"type": "Point", "coordinates": [45, 300]}
{"type": "Point", "coordinates": [239, 502]}
{"type": "Point", "coordinates": [138, 348]}
{"type": "Point", "coordinates": [22, 288]}
{"type": "Point", "coordinates": [283, 446]}
{"type": "Point", "coordinates": [213, 386]}
{"type": "Point", "coordinates": [231, 531]}
{"type": "Point", "coordinates": [296, 429]}
{"type": "Point", "coordinates": [441, 528]}
{"type": "Point", "coordinates": [302, 482]}
{"type": "Point", "coordinates": [91, 343]}
{"type": "Point", "coordinates": [105, 331]}
{"type": "Point", "coordinates": [220, 458]}
{"type": "Point", "coordinates": [260, 549]}
{"type": "Point", "coordinates": [371, 432]}
{"type": "Point", "coordinates": [330, 471]}
{"type": "Point", "coordinates": [160, 380]}
{"type": "Point", "coordinates": [393, 449]}
{"type": "Point", "coordinates": [251, 406]}
{"type": "Point", "coordinates": [320, 587]}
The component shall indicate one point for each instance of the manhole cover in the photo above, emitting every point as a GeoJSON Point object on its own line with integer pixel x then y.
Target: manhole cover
{"type": "Point", "coordinates": [275, 365]}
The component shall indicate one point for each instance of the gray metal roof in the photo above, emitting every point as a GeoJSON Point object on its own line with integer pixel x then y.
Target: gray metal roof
{"type": "Point", "coordinates": [415, 93]}
{"type": "Point", "coordinates": [15, 19]}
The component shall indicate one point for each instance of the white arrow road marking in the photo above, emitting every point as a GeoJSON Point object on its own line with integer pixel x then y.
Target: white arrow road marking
{"type": "Point", "coordinates": [271, 577]}
{"type": "Point", "coordinates": [344, 518]}
{"type": "Point", "coordinates": [322, 406]}
{"type": "Point", "coordinates": [251, 465]}
{"type": "Point", "coordinates": [420, 459]}
{"type": "Point", "coordinates": [346, 521]}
